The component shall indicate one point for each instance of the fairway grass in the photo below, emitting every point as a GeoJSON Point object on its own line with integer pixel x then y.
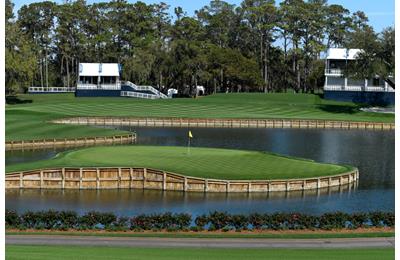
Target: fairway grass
{"type": "Point", "coordinates": [30, 118]}
{"type": "Point", "coordinates": [14, 252]}
{"type": "Point", "coordinates": [202, 162]}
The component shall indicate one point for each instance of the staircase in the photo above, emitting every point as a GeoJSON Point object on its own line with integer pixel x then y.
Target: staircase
{"type": "Point", "coordinates": [128, 89]}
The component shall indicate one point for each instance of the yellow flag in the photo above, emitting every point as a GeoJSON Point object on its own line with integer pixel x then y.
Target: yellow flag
{"type": "Point", "coordinates": [190, 134]}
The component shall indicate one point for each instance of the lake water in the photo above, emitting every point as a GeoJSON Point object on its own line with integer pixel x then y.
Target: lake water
{"type": "Point", "coordinates": [371, 151]}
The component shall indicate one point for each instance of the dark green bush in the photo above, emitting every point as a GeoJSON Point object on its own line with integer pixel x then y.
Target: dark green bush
{"type": "Point", "coordinates": [335, 220]}
{"type": "Point", "coordinates": [68, 219]}
{"type": "Point", "coordinates": [256, 220]}
{"type": "Point", "coordinates": [31, 219]}
{"type": "Point", "coordinates": [239, 221]}
{"type": "Point", "coordinates": [93, 219]}
{"type": "Point", "coordinates": [358, 220]}
{"type": "Point", "coordinates": [201, 221]}
{"type": "Point", "coordinates": [219, 219]}
{"type": "Point", "coordinates": [12, 219]}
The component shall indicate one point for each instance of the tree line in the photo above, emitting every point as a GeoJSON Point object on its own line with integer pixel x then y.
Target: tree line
{"type": "Point", "coordinates": [256, 46]}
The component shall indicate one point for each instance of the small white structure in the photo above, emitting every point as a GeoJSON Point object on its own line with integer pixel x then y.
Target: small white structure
{"type": "Point", "coordinates": [200, 91]}
{"type": "Point", "coordinates": [171, 92]}
{"type": "Point", "coordinates": [99, 76]}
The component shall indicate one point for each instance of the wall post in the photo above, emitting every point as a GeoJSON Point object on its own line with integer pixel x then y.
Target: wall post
{"type": "Point", "coordinates": [144, 177]}
{"type": "Point", "coordinates": [97, 178]}
{"type": "Point", "coordinates": [164, 186]}
{"type": "Point", "coordinates": [21, 180]}
{"type": "Point", "coordinates": [119, 178]}
{"type": "Point", "coordinates": [63, 178]}
{"type": "Point", "coordinates": [41, 179]}
{"type": "Point", "coordinates": [185, 185]}
{"type": "Point", "coordinates": [130, 177]}
{"type": "Point", "coordinates": [80, 178]}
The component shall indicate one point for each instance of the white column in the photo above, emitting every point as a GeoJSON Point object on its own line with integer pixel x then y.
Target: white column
{"type": "Point", "coordinates": [386, 86]}
{"type": "Point", "coordinates": [365, 84]}
{"type": "Point", "coordinates": [345, 83]}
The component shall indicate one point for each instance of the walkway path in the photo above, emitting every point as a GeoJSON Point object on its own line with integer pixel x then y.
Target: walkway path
{"type": "Point", "coordinates": [198, 242]}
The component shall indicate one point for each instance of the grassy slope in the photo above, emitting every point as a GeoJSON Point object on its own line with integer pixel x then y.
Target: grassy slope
{"type": "Point", "coordinates": [27, 120]}
{"type": "Point", "coordinates": [202, 162]}
{"type": "Point", "coordinates": [64, 252]}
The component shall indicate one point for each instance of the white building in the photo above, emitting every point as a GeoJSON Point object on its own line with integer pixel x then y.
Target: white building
{"type": "Point", "coordinates": [373, 91]}
{"type": "Point", "coordinates": [103, 80]}
{"type": "Point", "coordinates": [336, 62]}
{"type": "Point", "coordinates": [101, 76]}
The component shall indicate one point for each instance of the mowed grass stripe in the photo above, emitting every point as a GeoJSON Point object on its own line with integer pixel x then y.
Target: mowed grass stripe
{"type": "Point", "coordinates": [201, 162]}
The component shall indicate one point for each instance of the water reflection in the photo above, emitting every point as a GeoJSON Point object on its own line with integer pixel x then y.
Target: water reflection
{"type": "Point", "coordinates": [129, 202]}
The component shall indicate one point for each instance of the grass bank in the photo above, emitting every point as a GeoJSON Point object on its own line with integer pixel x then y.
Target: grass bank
{"type": "Point", "coordinates": [202, 162]}
{"type": "Point", "coordinates": [290, 234]}
{"type": "Point", "coordinates": [28, 117]}
{"type": "Point", "coordinates": [75, 252]}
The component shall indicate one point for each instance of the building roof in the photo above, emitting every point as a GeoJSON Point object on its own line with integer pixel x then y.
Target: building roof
{"type": "Point", "coordinates": [342, 54]}
{"type": "Point", "coordinates": [99, 69]}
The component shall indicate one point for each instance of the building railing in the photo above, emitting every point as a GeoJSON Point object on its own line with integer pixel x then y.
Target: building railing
{"type": "Point", "coordinates": [50, 89]}
{"type": "Point", "coordinates": [333, 72]}
{"type": "Point", "coordinates": [115, 86]}
{"type": "Point", "coordinates": [358, 88]}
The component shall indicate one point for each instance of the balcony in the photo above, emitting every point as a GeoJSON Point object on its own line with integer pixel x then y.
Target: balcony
{"type": "Point", "coordinates": [115, 86]}
{"type": "Point", "coordinates": [333, 72]}
{"type": "Point", "coordinates": [358, 88]}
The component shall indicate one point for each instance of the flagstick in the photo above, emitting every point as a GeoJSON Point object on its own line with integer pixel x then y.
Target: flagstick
{"type": "Point", "coordinates": [188, 145]}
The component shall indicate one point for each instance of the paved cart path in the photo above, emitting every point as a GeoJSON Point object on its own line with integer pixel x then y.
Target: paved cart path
{"type": "Point", "coordinates": [198, 242]}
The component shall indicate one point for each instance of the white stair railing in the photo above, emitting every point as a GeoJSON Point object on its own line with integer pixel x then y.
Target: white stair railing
{"type": "Point", "coordinates": [144, 88]}
{"type": "Point", "coordinates": [138, 95]}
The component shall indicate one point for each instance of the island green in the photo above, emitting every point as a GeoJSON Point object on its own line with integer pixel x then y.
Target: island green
{"type": "Point", "coordinates": [200, 162]}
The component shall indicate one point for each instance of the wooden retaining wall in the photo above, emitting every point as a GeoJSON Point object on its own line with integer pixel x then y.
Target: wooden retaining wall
{"type": "Point", "coordinates": [83, 141]}
{"type": "Point", "coordinates": [229, 123]}
{"type": "Point", "coordinates": [144, 178]}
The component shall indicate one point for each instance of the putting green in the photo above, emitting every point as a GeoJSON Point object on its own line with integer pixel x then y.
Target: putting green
{"type": "Point", "coordinates": [201, 162]}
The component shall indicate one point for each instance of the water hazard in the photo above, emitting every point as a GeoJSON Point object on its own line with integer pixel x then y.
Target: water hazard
{"type": "Point", "coordinates": [371, 151]}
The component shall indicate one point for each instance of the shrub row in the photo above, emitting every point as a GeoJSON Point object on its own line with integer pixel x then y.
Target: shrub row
{"type": "Point", "coordinates": [64, 220]}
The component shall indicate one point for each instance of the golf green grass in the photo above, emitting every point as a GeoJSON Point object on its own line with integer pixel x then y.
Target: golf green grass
{"type": "Point", "coordinates": [201, 162]}
{"type": "Point", "coordinates": [28, 117]}
{"type": "Point", "coordinates": [75, 252]}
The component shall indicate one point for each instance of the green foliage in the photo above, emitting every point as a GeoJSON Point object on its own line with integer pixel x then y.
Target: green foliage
{"type": "Point", "coordinates": [182, 222]}
{"type": "Point", "coordinates": [224, 47]}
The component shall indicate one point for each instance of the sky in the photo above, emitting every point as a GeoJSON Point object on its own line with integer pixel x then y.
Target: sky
{"type": "Point", "coordinates": [380, 12]}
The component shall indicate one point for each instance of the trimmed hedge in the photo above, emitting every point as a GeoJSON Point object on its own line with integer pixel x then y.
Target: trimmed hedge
{"type": "Point", "coordinates": [64, 220]}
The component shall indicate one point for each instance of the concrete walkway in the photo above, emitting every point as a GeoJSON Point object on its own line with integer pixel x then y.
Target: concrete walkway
{"type": "Point", "coordinates": [198, 242]}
